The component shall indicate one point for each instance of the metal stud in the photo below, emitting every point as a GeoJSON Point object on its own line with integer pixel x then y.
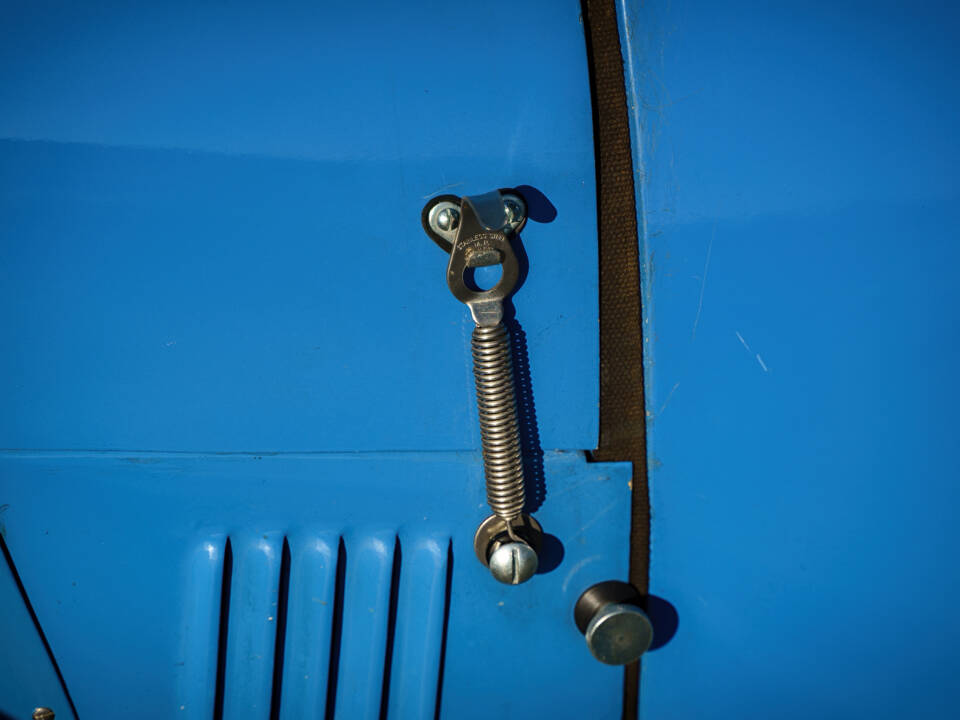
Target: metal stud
{"type": "Point", "coordinates": [616, 629]}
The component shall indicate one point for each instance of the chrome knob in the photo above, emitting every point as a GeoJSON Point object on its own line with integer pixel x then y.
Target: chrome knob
{"type": "Point", "coordinates": [616, 629]}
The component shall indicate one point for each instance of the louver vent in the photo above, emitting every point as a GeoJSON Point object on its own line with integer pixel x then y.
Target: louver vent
{"type": "Point", "coordinates": [330, 626]}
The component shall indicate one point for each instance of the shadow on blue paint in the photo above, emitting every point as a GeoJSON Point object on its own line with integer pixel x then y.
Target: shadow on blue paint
{"type": "Point", "coordinates": [664, 617]}
{"type": "Point", "coordinates": [541, 210]}
{"type": "Point", "coordinates": [550, 555]}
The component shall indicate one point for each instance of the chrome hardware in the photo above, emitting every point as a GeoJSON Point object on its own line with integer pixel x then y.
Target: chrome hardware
{"type": "Point", "coordinates": [616, 629]}
{"type": "Point", "coordinates": [478, 230]}
{"type": "Point", "coordinates": [512, 558]}
{"type": "Point", "coordinates": [448, 219]}
{"type": "Point", "coordinates": [499, 431]}
{"type": "Point", "coordinates": [443, 219]}
{"type": "Point", "coordinates": [42, 713]}
{"type": "Point", "coordinates": [441, 216]}
{"type": "Point", "coordinates": [513, 563]}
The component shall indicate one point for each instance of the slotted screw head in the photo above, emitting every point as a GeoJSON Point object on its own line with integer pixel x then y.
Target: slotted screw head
{"type": "Point", "coordinates": [42, 713]}
{"type": "Point", "coordinates": [513, 563]}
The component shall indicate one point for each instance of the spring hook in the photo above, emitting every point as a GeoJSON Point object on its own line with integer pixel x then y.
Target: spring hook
{"type": "Point", "coordinates": [476, 231]}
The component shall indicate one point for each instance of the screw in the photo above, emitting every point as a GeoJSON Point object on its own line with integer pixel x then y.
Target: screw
{"type": "Point", "coordinates": [513, 563]}
{"type": "Point", "coordinates": [42, 713]}
{"type": "Point", "coordinates": [448, 219]}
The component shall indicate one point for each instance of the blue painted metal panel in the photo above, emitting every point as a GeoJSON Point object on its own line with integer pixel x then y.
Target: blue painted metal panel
{"type": "Point", "coordinates": [306, 664]}
{"type": "Point", "coordinates": [212, 231]}
{"type": "Point", "coordinates": [418, 642]}
{"type": "Point", "coordinates": [27, 676]}
{"type": "Point", "coordinates": [363, 643]}
{"type": "Point", "coordinates": [801, 312]}
{"type": "Point", "coordinates": [252, 633]}
{"type": "Point", "coordinates": [211, 248]}
{"type": "Point", "coordinates": [119, 544]}
{"type": "Point", "coordinates": [195, 671]}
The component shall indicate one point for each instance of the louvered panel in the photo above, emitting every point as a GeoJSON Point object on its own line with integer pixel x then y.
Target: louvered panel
{"type": "Point", "coordinates": [418, 638]}
{"type": "Point", "coordinates": [366, 609]}
{"type": "Point", "coordinates": [310, 614]}
{"type": "Point", "coordinates": [252, 636]}
{"type": "Point", "coordinates": [314, 501]}
{"type": "Point", "coordinates": [197, 667]}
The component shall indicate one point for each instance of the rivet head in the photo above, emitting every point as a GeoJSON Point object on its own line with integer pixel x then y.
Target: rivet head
{"type": "Point", "coordinates": [619, 634]}
{"type": "Point", "coordinates": [514, 212]}
{"type": "Point", "coordinates": [42, 713]}
{"type": "Point", "coordinates": [513, 563]}
{"type": "Point", "coordinates": [448, 219]}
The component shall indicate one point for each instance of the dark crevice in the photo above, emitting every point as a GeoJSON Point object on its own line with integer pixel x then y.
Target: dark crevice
{"type": "Point", "coordinates": [446, 624]}
{"type": "Point", "coordinates": [283, 592]}
{"type": "Point", "coordinates": [36, 623]}
{"type": "Point", "coordinates": [391, 629]}
{"type": "Point", "coordinates": [336, 631]}
{"type": "Point", "coordinates": [594, 105]}
{"type": "Point", "coordinates": [224, 628]}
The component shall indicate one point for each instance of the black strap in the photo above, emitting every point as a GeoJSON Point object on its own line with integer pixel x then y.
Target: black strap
{"type": "Point", "coordinates": [622, 413]}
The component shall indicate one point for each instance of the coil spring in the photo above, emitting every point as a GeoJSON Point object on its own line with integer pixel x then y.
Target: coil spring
{"type": "Point", "coordinates": [499, 428]}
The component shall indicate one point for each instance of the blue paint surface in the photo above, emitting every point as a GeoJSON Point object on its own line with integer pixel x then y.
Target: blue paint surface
{"type": "Point", "coordinates": [27, 676]}
{"type": "Point", "coordinates": [212, 234]}
{"type": "Point", "coordinates": [802, 343]}
{"type": "Point", "coordinates": [229, 347]}
{"type": "Point", "coordinates": [122, 556]}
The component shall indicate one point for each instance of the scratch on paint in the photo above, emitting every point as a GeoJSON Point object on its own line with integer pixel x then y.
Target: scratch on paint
{"type": "Point", "coordinates": [576, 568]}
{"type": "Point", "coordinates": [703, 284]}
{"type": "Point", "coordinates": [440, 190]}
{"type": "Point", "coordinates": [667, 401]}
{"type": "Point", "coordinates": [743, 342]}
{"type": "Point", "coordinates": [570, 488]}
{"type": "Point", "coordinates": [595, 518]}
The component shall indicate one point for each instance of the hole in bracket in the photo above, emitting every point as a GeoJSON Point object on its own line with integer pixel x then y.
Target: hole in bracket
{"type": "Point", "coordinates": [483, 278]}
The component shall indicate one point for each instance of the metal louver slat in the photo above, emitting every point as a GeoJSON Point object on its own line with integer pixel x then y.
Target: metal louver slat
{"type": "Point", "coordinates": [309, 626]}
{"type": "Point", "coordinates": [366, 605]}
{"type": "Point", "coordinates": [422, 599]}
{"type": "Point", "coordinates": [196, 671]}
{"type": "Point", "coordinates": [251, 639]}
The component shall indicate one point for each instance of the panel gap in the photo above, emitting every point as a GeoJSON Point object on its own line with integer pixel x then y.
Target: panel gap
{"type": "Point", "coordinates": [446, 624]}
{"type": "Point", "coordinates": [5, 552]}
{"type": "Point", "coordinates": [283, 592]}
{"type": "Point", "coordinates": [336, 631]}
{"type": "Point", "coordinates": [224, 627]}
{"type": "Point", "coordinates": [391, 629]}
